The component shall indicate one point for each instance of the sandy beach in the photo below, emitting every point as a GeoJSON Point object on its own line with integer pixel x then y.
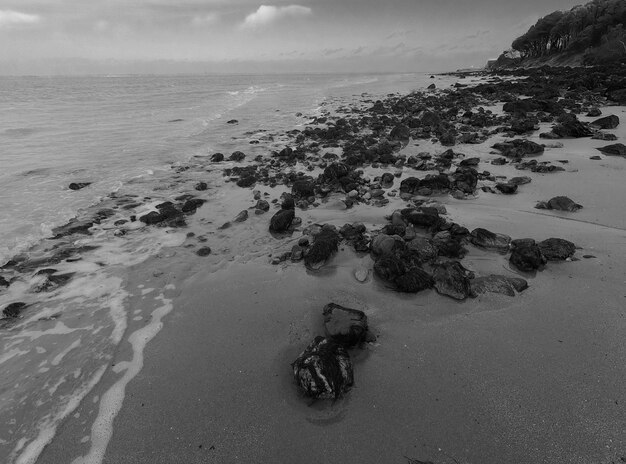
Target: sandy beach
{"type": "Point", "coordinates": [203, 371]}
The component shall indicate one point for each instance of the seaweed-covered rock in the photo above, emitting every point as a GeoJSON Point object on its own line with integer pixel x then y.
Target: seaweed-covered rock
{"type": "Point", "coordinates": [326, 243]}
{"type": "Point", "coordinates": [557, 249]}
{"type": "Point", "coordinates": [323, 369]}
{"type": "Point", "coordinates": [607, 122]}
{"type": "Point", "coordinates": [344, 325]}
{"type": "Point", "coordinates": [616, 149]}
{"type": "Point", "coordinates": [559, 203]}
{"type": "Point", "coordinates": [527, 256]}
{"type": "Point", "coordinates": [413, 280]}
{"type": "Point", "coordinates": [497, 284]}
{"type": "Point", "coordinates": [490, 240]}
{"type": "Point", "coordinates": [452, 279]}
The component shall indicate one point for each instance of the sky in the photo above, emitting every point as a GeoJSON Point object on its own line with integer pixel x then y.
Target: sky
{"type": "Point", "coordinates": [95, 36]}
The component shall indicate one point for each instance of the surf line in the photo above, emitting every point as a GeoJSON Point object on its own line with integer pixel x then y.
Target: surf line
{"type": "Point", "coordinates": [112, 399]}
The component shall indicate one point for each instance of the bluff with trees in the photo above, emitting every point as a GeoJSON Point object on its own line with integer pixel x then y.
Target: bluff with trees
{"type": "Point", "coordinates": [587, 34]}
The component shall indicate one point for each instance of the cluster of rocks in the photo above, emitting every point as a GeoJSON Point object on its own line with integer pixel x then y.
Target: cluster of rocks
{"type": "Point", "coordinates": [324, 369]}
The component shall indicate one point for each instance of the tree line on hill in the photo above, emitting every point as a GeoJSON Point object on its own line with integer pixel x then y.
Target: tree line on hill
{"type": "Point", "coordinates": [595, 29]}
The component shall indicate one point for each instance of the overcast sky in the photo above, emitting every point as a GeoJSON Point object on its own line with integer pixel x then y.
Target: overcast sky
{"type": "Point", "coordinates": [308, 35]}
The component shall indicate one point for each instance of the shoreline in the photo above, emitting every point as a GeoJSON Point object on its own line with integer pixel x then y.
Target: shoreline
{"type": "Point", "coordinates": [273, 405]}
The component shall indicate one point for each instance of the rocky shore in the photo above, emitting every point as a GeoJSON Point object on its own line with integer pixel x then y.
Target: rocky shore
{"type": "Point", "coordinates": [400, 189]}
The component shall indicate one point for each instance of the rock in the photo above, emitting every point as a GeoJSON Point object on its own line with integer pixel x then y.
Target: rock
{"type": "Point", "coordinates": [281, 221]}
{"type": "Point", "coordinates": [595, 157]}
{"type": "Point", "coordinates": [559, 204]}
{"type": "Point", "coordinates": [465, 179]}
{"type": "Point", "coordinates": [78, 185]}
{"type": "Point", "coordinates": [336, 171]}
{"type": "Point", "coordinates": [604, 136]}
{"type": "Point", "coordinates": [383, 244]}
{"type": "Point", "coordinates": [506, 188]}
{"type": "Point", "coordinates": [217, 157]}
{"type": "Point", "coordinates": [452, 279]}
{"type": "Point", "coordinates": [570, 126]}
{"type": "Point", "coordinates": [497, 284]}
{"type": "Point", "coordinates": [241, 217]}
{"type": "Point", "coordinates": [431, 87]}
{"type": "Point", "coordinates": [237, 156]}
{"type": "Point", "coordinates": [323, 369]}
{"type": "Point", "coordinates": [410, 185]}
{"type": "Point", "coordinates": [413, 280]}
{"type": "Point", "coordinates": [424, 247]}
{"type": "Point", "coordinates": [400, 132]}
{"type": "Point", "coordinates": [325, 244]}
{"type": "Point", "coordinates": [168, 215]}
{"type": "Point", "coordinates": [519, 148]}
{"type": "Point", "coordinates": [486, 239]}
{"type": "Point", "coordinates": [527, 256]}
{"type": "Point", "coordinates": [232, 121]}
{"type": "Point", "coordinates": [345, 326]}
{"type": "Point", "coordinates": [361, 274]}
{"type": "Point", "coordinates": [13, 310]}
{"type": "Point", "coordinates": [201, 186]}
{"type": "Point", "coordinates": [297, 253]}
{"type": "Point", "coordinates": [557, 249]}
{"type": "Point", "coordinates": [303, 189]}
{"type": "Point", "coordinates": [470, 162]}
{"type": "Point", "coordinates": [192, 204]}
{"type": "Point", "coordinates": [617, 149]}
{"type": "Point", "coordinates": [607, 122]}
{"type": "Point", "coordinates": [74, 226]}
{"type": "Point", "coordinates": [520, 180]}
{"type": "Point", "coordinates": [247, 180]}
{"type": "Point", "coordinates": [423, 217]}
{"type": "Point", "coordinates": [204, 251]}
{"type": "Point", "coordinates": [262, 206]}
{"type": "Point", "coordinates": [3, 282]}
{"type": "Point", "coordinates": [386, 180]}
{"type": "Point", "coordinates": [449, 246]}
{"type": "Point", "coordinates": [594, 112]}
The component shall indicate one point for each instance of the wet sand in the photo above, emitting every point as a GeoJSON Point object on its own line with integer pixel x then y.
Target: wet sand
{"type": "Point", "coordinates": [537, 378]}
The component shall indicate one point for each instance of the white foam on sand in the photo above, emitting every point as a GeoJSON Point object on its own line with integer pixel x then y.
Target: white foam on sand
{"type": "Point", "coordinates": [113, 398]}
{"type": "Point", "coordinates": [48, 426]}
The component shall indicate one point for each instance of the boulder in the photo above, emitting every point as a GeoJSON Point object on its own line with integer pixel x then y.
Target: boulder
{"type": "Point", "coordinates": [204, 251]}
{"type": "Point", "coordinates": [345, 326]}
{"type": "Point", "coordinates": [424, 247]}
{"type": "Point", "coordinates": [200, 186]}
{"type": "Point", "coordinates": [560, 204]}
{"type": "Point", "coordinates": [217, 157]}
{"type": "Point", "coordinates": [497, 284]}
{"type": "Point", "coordinates": [607, 122]}
{"type": "Point", "coordinates": [570, 126]}
{"type": "Point", "coordinates": [557, 249]}
{"type": "Point", "coordinates": [13, 310]}
{"type": "Point", "coordinates": [452, 279]}
{"type": "Point", "coordinates": [527, 257]}
{"type": "Point", "coordinates": [617, 149]}
{"type": "Point", "coordinates": [519, 148]}
{"type": "Point", "coordinates": [413, 280]}
{"type": "Point", "coordinates": [237, 156]}
{"type": "Point", "coordinates": [410, 185]}
{"type": "Point", "coordinates": [506, 188]}
{"type": "Point", "coordinates": [400, 132]}
{"type": "Point", "coordinates": [281, 221]}
{"type": "Point", "coordinates": [325, 244]}
{"type": "Point", "coordinates": [192, 204]}
{"type": "Point", "coordinates": [323, 369]}
{"type": "Point", "coordinates": [465, 179]}
{"type": "Point", "coordinates": [484, 238]}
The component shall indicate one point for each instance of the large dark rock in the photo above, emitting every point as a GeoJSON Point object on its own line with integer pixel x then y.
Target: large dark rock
{"type": "Point", "coordinates": [607, 122]}
{"type": "Point", "coordinates": [325, 244]}
{"type": "Point", "coordinates": [497, 284]}
{"type": "Point", "coordinates": [167, 214]}
{"type": "Point", "coordinates": [557, 249]}
{"type": "Point", "coordinates": [436, 182]}
{"type": "Point", "coordinates": [424, 247]}
{"type": "Point", "coordinates": [527, 256]}
{"type": "Point", "coordinates": [336, 171]}
{"type": "Point", "coordinates": [323, 369]}
{"type": "Point", "coordinates": [78, 185]}
{"type": "Point", "coordinates": [343, 325]}
{"type": "Point", "coordinates": [303, 188]}
{"type": "Point", "coordinates": [616, 149]}
{"type": "Point", "coordinates": [570, 126]}
{"type": "Point", "coordinates": [560, 204]}
{"type": "Point", "coordinates": [237, 156]}
{"type": "Point", "coordinates": [383, 244]}
{"type": "Point", "coordinates": [410, 185]}
{"type": "Point", "coordinates": [13, 309]}
{"type": "Point", "coordinates": [281, 221]}
{"type": "Point", "coordinates": [413, 280]}
{"type": "Point", "coordinates": [507, 188]}
{"type": "Point", "coordinates": [449, 245]}
{"type": "Point", "coordinates": [519, 148]}
{"type": "Point", "coordinates": [217, 157]}
{"type": "Point", "coordinates": [490, 240]}
{"type": "Point", "coordinates": [400, 132]}
{"type": "Point", "coordinates": [452, 279]}
{"type": "Point", "coordinates": [465, 179]}
{"type": "Point", "coordinates": [192, 204]}
{"type": "Point", "coordinates": [423, 217]}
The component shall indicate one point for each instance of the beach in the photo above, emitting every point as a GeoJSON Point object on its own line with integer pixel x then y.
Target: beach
{"type": "Point", "coordinates": [199, 367]}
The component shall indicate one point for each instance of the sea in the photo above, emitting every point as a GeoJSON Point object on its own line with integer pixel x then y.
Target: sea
{"type": "Point", "coordinates": [122, 134]}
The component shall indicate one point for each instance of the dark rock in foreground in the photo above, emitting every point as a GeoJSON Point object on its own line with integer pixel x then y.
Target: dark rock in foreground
{"type": "Point", "coordinates": [323, 369]}
{"type": "Point", "coordinates": [557, 249]}
{"type": "Point", "coordinates": [607, 122]}
{"type": "Point", "coordinates": [281, 221]}
{"type": "Point", "coordinates": [343, 325]}
{"type": "Point", "coordinates": [497, 284]}
{"type": "Point", "coordinates": [13, 310]}
{"type": "Point", "coordinates": [560, 204]}
{"type": "Point", "coordinates": [326, 243]}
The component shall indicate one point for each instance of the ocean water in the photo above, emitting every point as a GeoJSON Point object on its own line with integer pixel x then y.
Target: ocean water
{"type": "Point", "coordinates": [123, 134]}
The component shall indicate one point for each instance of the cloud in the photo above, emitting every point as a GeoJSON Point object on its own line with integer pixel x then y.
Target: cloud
{"type": "Point", "coordinates": [267, 14]}
{"type": "Point", "coordinates": [204, 20]}
{"type": "Point", "coordinates": [15, 18]}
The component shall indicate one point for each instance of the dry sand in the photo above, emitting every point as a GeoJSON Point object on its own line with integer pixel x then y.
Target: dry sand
{"type": "Point", "coordinates": [538, 378]}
